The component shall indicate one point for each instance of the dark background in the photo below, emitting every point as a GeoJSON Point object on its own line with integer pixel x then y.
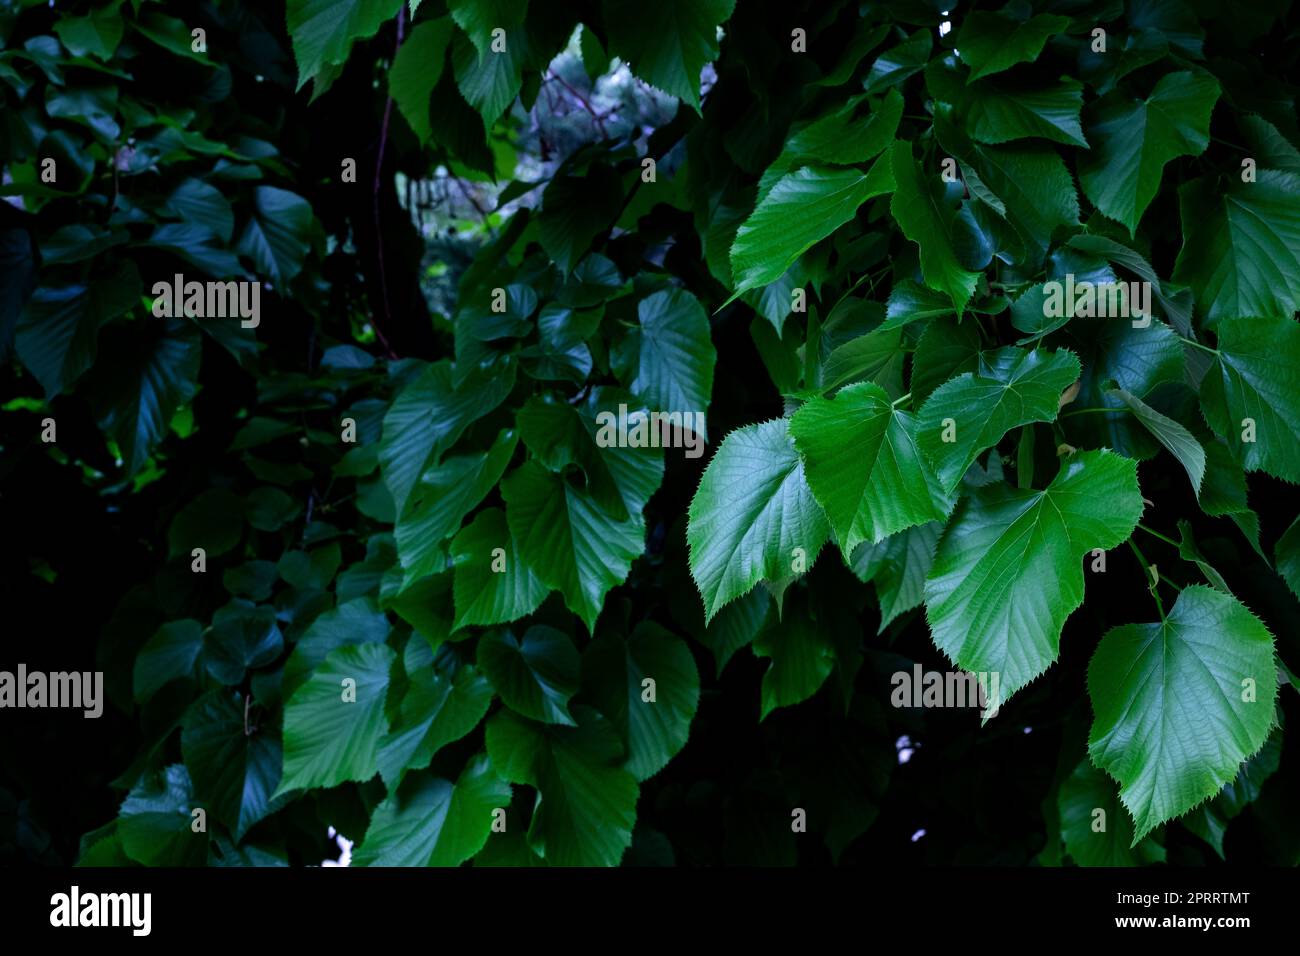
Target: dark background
{"type": "Point", "coordinates": [979, 795]}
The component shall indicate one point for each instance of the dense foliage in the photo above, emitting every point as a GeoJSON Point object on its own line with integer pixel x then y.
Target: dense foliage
{"type": "Point", "coordinates": [399, 559]}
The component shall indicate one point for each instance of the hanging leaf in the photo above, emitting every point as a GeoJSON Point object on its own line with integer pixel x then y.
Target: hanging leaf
{"type": "Point", "coordinates": [1008, 570]}
{"type": "Point", "coordinates": [753, 516]}
{"type": "Point", "coordinates": [1169, 757]}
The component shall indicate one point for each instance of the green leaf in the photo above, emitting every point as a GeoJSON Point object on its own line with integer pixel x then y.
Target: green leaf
{"type": "Point", "coordinates": [269, 509]}
{"type": "Point", "coordinates": [490, 80]}
{"type": "Point", "coordinates": [1256, 381]}
{"type": "Point", "coordinates": [1180, 442]}
{"type": "Point", "coordinates": [1210, 820]}
{"type": "Point", "coordinates": [77, 243]}
{"type": "Point", "coordinates": [430, 821]}
{"type": "Point", "coordinates": [735, 626]}
{"type": "Point", "coordinates": [235, 771]}
{"type": "Point", "coordinates": [509, 848]}
{"type": "Point", "coordinates": [1175, 716]}
{"type": "Point", "coordinates": [1139, 360]}
{"type": "Point", "coordinates": [1223, 491]}
{"type": "Point", "coordinates": [214, 521]}
{"type": "Point", "coordinates": [615, 672]}
{"type": "Point", "coordinates": [476, 321]}
{"type": "Point", "coordinates": [323, 31]}
{"type": "Point", "coordinates": [358, 621]}
{"type": "Point", "coordinates": [1125, 54]}
{"type": "Point", "coordinates": [199, 247]}
{"type": "Point", "coordinates": [277, 235]}
{"type": "Point", "coordinates": [803, 208]}
{"type": "Point", "coordinates": [103, 847]}
{"type": "Point", "coordinates": [1096, 828]}
{"type": "Point", "coordinates": [438, 708]}
{"type": "Point", "coordinates": [594, 58]}
{"type": "Point", "coordinates": [57, 334]}
{"type": "Point", "coordinates": [1188, 551]}
{"type": "Point", "coordinates": [1241, 246]}
{"type": "Point", "coordinates": [427, 417]}
{"type": "Point", "coordinates": [17, 269]}
{"type": "Point", "coordinates": [1133, 140]}
{"type": "Point", "coordinates": [252, 579]}
{"type": "Point", "coordinates": [586, 802]}
{"type": "Point", "coordinates": [330, 738]}
{"type": "Point", "coordinates": [478, 18]}
{"type": "Point", "coordinates": [1267, 146]}
{"type": "Point", "coordinates": [459, 128]}
{"type": "Point", "coordinates": [753, 516]}
{"type": "Point", "coordinates": [993, 42]}
{"type": "Point", "coordinates": [1034, 185]}
{"type": "Point", "coordinates": [900, 61]}
{"type": "Point", "coordinates": [96, 34]}
{"type": "Point", "coordinates": [1029, 180]}
{"type": "Point", "coordinates": [536, 676]}
{"type": "Point", "coordinates": [170, 33]}
{"type": "Point", "coordinates": [668, 44]}
{"type": "Point", "coordinates": [675, 354]}
{"type": "Point", "coordinates": [866, 36]}
{"type": "Point", "coordinates": [486, 594]}
{"type": "Point", "coordinates": [972, 412]}
{"type": "Point", "coordinates": [594, 280]}
{"type": "Point", "coordinates": [92, 107]}
{"type": "Point", "coordinates": [201, 204]}
{"type": "Point", "coordinates": [243, 636]}
{"type": "Point", "coordinates": [570, 541]}
{"type": "Point", "coordinates": [439, 502]}
{"type": "Point", "coordinates": [898, 566]}
{"type": "Point", "coordinates": [946, 348]}
{"type": "Point", "coordinates": [1176, 305]}
{"type": "Point", "coordinates": [310, 570]}
{"type": "Point", "coordinates": [927, 220]}
{"type": "Point", "coordinates": [620, 477]}
{"type": "Point", "coordinates": [802, 657]}
{"type": "Point", "coordinates": [998, 112]}
{"type": "Point", "coordinates": [577, 209]}
{"type": "Point", "coordinates": [416, 69]}
{"type": "Point", "coordinates": [866, 356]}
{"type": "Point", "coordinates": [1287, 554]}
{"type": "Point", "coordinates": [146, 372]}
{"type": "Point", "coordinates": [1177, 22]}
{"type": "Point", "coordinates": [1008, 570]}
{"type": "Point", "coordinates": [154, 822]}
{"type": "Point", "coordinates": [843, 138]}
{"type": "Point", "coordinates": [912, 302]}
{"type": "Point", "coordinates": [172, 652]}
{"type": "Point", "coordinates": [863, 465]}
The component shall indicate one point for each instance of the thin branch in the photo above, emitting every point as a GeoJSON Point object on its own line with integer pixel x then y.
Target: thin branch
{"type": "Point", "coordinates": [379, 169]}
{"type": "Point", "coordinates": [1122, 409]}
{"type": "Point", "coordinates": [311, 504]}
{"type": "Point", "coordinates": [117, 152]}
{"type": "Point", "coordinates": [1153, 579]}
{"type": "Point", "coordinates": [469, 197]}
{"type": "Point", "coordinates": [1161, 537]}
{"type": "Point", "coordinates": [1195, 344]}
{"type": "Point", "coordinates": [598, 118]}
